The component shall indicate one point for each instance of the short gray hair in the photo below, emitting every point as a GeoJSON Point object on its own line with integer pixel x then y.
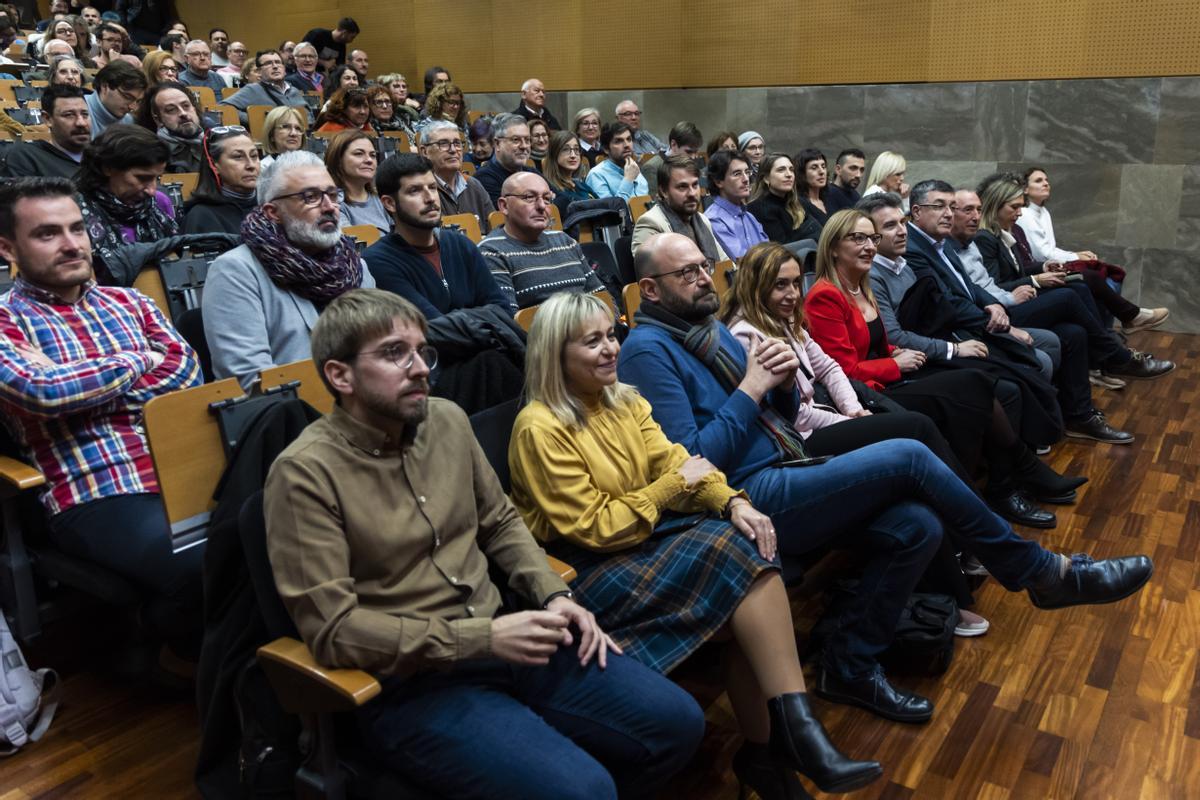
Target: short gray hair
{"type": "Point", "coordinates": [918, 193]}
{"type": "Point", "coordinates": [502, 122]}
{"type": "Point", "coordinates": [195, 41]}
{"type": "Point", "coordinates": [273, 175]}
{"type": "Point", "coordinates": [304, 46]}
{"type": "Point", "coordinates": [439, 125]}
{"type": "Point", "coordinates": [617, 107]}
{"type": "Point", "coordinates": [529, 82]}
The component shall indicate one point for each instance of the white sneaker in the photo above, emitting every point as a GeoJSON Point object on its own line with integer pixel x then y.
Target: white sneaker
{"type": "Point", "coordinates": [1146, 319]}
{"type": "Point", "coordinates": [970, 624]}
{"type": "Point", "coordinates": [1098, 378]}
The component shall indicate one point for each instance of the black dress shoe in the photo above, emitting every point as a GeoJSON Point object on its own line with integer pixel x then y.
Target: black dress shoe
{"type": "Point", "coordinates": [799, 741]}
{"type": "Point", "coordinates": [1096, 427]}
{"type": "Point", "coordinates": [755, 769]}
{"type": "Point", "coordinates": [1090, 582]}
{"type": "Point", "coordinates": [1018, 508]}
{"type": "Point", "coordinates": [1142, 365]}
{"type": "Point", "coordinates": [1065, 499]}
{"type": "Point", "coordinates": [876, 695]}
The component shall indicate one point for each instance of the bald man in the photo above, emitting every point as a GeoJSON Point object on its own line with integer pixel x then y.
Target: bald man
{"type": "Point", "coordinates": [529, 262]}
{"type": "Point", "coordinates": [533, 104]}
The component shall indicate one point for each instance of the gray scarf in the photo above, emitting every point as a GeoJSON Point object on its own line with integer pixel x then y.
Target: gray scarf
{"type": "Point", "coordinates": [697, 231]}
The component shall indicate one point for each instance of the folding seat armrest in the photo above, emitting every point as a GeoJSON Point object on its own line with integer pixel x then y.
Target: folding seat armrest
{"type": "Point", "coordinates": [305, 687]}
{"type": "Point", "coordinates": [564, 570]}
{"type": "Point", "coordinates": [17, 476]}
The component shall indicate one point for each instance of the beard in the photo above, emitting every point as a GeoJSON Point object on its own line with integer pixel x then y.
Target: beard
{"type": "Point", "coordinates": [694, 309]}
{"type": "Point", "coordinates": [309, 235]}
{"type": "Point", "coordinates": [186, 130]}
{"type": "Point", "coordinates": [396, 408]}
{"type": "Point", "coordinates": [418, 221]}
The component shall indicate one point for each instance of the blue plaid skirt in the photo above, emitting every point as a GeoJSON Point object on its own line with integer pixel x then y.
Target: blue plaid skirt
{"type": "Point", "coordinates": [664, 598]}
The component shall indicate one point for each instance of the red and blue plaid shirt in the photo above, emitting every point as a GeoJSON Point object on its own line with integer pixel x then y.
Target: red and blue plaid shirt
{"type": "Point", "coordinates": [80, 421]}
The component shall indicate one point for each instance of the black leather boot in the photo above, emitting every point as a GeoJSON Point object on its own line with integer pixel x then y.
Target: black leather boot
{"type": "Point", "coordinates": [1042, 482]}
{"type": "Point", "coordinates": [756, 769]}
{"type": "Point", "coordinates": [799, 739]}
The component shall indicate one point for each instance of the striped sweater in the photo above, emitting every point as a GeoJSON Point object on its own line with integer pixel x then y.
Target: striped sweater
{"type": "Point", "coordinates": [528, 274]}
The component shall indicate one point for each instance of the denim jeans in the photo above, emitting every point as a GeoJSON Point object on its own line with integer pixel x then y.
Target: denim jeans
{"type": "Point", "coordinates": [892, 500]}
{"type": "Point", "coordinates": [490, 729]}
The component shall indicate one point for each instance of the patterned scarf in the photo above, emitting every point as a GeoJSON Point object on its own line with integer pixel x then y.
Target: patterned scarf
{"type": "Point", "coordinates": [703, 340]}
{"type": "Point", "coordinates": [695, 230]}
{"type": "Point", "coordinates": [104, 216]}
{"type": "Point", "coordinates": [316, 278]}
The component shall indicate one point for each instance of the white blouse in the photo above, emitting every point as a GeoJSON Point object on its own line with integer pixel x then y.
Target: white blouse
{"type": "Point", "coordinates": [1035, 221]}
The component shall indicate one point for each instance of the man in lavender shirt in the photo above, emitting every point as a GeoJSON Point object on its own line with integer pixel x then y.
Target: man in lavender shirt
{"type": "Point", "coordinates": [736, 228]}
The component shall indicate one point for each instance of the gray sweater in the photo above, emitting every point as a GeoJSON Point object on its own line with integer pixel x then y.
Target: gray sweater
{"type": "Point", "coordinates": [250, 323]}
{"type": "Point", "coordinates": [889, 289]}
{"type": "Point", "coordinates": [259, 94]}
{"type": "Point", "coordinates": [529, 274]}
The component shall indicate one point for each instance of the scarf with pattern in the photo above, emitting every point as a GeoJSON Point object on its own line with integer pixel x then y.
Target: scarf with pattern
{"type": "Point", "coordinates": [703, 340]}
{"type": "Point", "coordinates": [104, 216]}
{"type": "Point", "coordinates": [318, 278]}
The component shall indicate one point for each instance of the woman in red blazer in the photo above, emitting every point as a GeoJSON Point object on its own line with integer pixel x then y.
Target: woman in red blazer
{"type": "Point", "coordinates": [843, 319]}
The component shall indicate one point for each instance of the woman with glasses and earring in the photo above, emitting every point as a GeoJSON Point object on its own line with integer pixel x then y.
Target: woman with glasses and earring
{"type": "Point", "coordinates": [843, 319]}
{"type": "Point", "coordinates": [347, 109]}
{"type": "Point", "coordinates": [225, 194]}
{"type": "Point", "coordinates": [445, 101]}
{"type": "Point", "coordinates": [587, 127]}
{"type": "Point", "coordinates": [384, 113]}
{"type": "Point", "coordinates": [352, 161]}
{"type": "Point", "coordinates": [564, 169]}
{"type": "Point", "coordinates": [160, 67]}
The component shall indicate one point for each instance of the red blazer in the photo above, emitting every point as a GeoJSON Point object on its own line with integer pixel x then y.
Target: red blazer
{"type": "Point", "coordinates": [838, 326]}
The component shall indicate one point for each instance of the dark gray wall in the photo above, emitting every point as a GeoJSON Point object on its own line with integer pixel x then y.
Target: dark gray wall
{"type": "Point", "coordinates": [1123, 154]}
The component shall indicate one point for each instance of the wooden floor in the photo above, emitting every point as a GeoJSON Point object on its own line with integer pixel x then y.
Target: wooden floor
{"type": "Point", "coordinates": [1095, 703]}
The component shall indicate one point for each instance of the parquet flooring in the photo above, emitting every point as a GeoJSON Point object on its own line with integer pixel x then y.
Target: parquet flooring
{"type": "Point", "coordinates": [1097, 703]}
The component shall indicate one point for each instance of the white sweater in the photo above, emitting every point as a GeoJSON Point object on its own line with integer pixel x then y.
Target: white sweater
{"type": "Point", "coordinates": [1035, 221]}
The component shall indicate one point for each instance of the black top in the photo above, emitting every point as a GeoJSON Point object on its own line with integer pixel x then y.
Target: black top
{"type": "Point", "coordinates": [837, 198]}
{"type": "Point", "coordinates": [224, 215]}
{"type": "Point", "coordinates": [327, 48]}
{"type": "Point", "coordinates": [877, 348]}
{"type": "Point", "coordinates": [814, 213]}
{"type": "Point", "coordinates": [546, 116]}
{"type": "Point", "coordinates": [771, 212]}
{"type": "Point", "coordinates": [38, 159]}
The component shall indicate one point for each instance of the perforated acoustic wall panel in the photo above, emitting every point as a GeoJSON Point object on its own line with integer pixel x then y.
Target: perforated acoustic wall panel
{"type": "Point", "coordinates": [493, 45]}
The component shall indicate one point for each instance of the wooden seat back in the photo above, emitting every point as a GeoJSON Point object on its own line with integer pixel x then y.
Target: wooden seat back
{"type": "Point", "coordinates": [363, 233]}
{"type": "Point", "coordinates": [311, 389]}
{"type": "Point", "coordinates": [632, 295]}
{"type": "Point", "coordinates": [469, 223]}
{"type": "Point", "coordinates": [187, 182]}
{"type": "Point", "coordinates": [639, 205]}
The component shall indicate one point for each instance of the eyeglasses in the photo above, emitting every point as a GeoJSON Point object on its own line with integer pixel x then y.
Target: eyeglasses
{"type": "Point", "coordinates": [630, 114]}
{"type": "Point", "coordinates": [313, 197]}
{"type": "Point", "coordinates": [224, 130]}
{"type": "Point", "coordinates": [861, 239]}
{"type": "Point", "coordinates": [130, 97]}
{"type": "Point", "coordinates": [170, 68]}
{"type": "Point", "coordinates": [274, 62]}
{"type": "Point", "coordinates": [447, 144]}
{"type": "Point", "coordinates": [571, 151]}
{"type": "Point", "coordinates": [382, 103]}
{"type": "Point", "coordinates": [404, 357]}
{"type": "Point", "coordinates": [452, 103]}
{"type": "Point", "coordinates": [689, 273]}
{"type": "Point", "coordinates": [517, 140]}
{"type": "Point", "coordinates": [938, 207]}
{"type": "Point", "coordinates": [532, 197]}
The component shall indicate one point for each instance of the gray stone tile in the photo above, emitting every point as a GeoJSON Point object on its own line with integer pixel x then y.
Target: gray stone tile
{"type": "Point", "coordinates": [1176, 141]}
{"type": "Point", "coordinates": [921, 122]}
{"type": "Point", "coordinates": [745, 110]}
{"type": "Point", "coordinates": [1149, 210]}
{"type": "Point", "coordinates": [662, 108]}
{"type": "Point", "coordinates": [1130, 259]}
{"type": "Point", "coordinates": [1170, 278]}
{"type": "Point", "coordinates": [959, 174]}
{"type": "Point", "coordinates": [604, 101]}
{"type": "Point", "coordinates": [829, 118]}
{"type": "Point", "coordinates": [1000, 120]}
{"type": "Point", "coordinates": [1187, 227]}
{"type": "Point", "coordinates": [493, 101]}
{"type": "Point", "coordinates": [1108, 120]}
{"type": "Point", "coordinates": [1085, 203]}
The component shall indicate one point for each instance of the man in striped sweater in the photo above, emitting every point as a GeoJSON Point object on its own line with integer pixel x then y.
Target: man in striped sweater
{"type": "Point", "coordinates": [529, 262]}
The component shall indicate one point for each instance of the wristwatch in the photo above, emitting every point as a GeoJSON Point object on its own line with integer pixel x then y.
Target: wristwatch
{"type": "Point", "coordinates": [567, 594]}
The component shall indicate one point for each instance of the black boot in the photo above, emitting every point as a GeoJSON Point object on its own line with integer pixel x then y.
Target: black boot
{"type": "Point", "coordinates": [1042, 482]}
{"type": "Point", "coordinates": [755, 769]}
{"type": "Point", "coordinates": [799, 739]}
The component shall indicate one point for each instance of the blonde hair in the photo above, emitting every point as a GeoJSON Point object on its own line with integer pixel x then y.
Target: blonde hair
{"type": "Point", "coordinates": [762, 188]}
{"type": "Point", "coordinates": [747, 298]}
{"type": "Point", "coordinates": [275, 118]}
{"type": "Point", "coordinates": [558, 320]}
{"type": "Point", "coordinates": [994, 197]}
{"type": "Point", "coordinates": [836, 229]}
{"type": "Point", "coordinates": [886, 165]}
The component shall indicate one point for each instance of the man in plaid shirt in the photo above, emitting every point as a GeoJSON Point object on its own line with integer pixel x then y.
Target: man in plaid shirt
{"type": "Point", "coordinates": [78, 362]}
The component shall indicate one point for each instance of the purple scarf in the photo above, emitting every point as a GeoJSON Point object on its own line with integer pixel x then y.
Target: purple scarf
{"type": "Point", "coordinates": [316, 278]}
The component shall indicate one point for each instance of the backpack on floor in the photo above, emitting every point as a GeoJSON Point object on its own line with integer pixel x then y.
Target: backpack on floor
{"type": "Point", "coordinates": [28, 698]}
{"type": "Point", "coordinates": [924, 639]}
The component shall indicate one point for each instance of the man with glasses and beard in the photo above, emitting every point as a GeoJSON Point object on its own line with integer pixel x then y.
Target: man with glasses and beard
{"type": "Point", "coordinates": [511, 146]}
{"type": "Point", "coordinates": [65, 109]}
{"type": "Point", "coordinates": [173, 110]}
{"type": "Point", "coordinates": [381, 519]}
{"type": "Point", "coordinates": [262, 299]}
{"type": "Point", "coordinates": [120, 86]}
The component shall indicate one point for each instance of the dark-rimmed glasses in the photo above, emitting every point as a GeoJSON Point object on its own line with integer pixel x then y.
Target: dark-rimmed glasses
{"type": "Point", "coordinates": [690, 273]}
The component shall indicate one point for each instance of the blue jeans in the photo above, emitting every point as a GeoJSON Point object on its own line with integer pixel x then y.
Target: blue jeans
{"type": "Point", "coordinates": [890, 500]}
{"type": "Point", "coordinates": [491, 729]}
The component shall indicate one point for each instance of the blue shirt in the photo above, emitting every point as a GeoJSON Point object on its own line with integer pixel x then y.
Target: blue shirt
{"type": "Point", "coordinates": [736, 228]}
{"type": "Point", "coordinates": [695, 410]}
{"type": "Point", "coordinates": [606, 179]}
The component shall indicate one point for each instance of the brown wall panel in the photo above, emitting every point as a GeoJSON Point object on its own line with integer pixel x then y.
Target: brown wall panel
{"type": "Point", "coordinates": [493, 45]}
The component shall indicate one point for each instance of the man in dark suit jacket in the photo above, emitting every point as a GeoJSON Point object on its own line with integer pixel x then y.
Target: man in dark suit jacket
{"type": "Point", "coordinates": [533, 104]}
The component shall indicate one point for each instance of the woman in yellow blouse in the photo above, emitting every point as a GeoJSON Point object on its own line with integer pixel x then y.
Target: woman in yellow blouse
{"type": "Point", "coordinates": [641, 521]}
